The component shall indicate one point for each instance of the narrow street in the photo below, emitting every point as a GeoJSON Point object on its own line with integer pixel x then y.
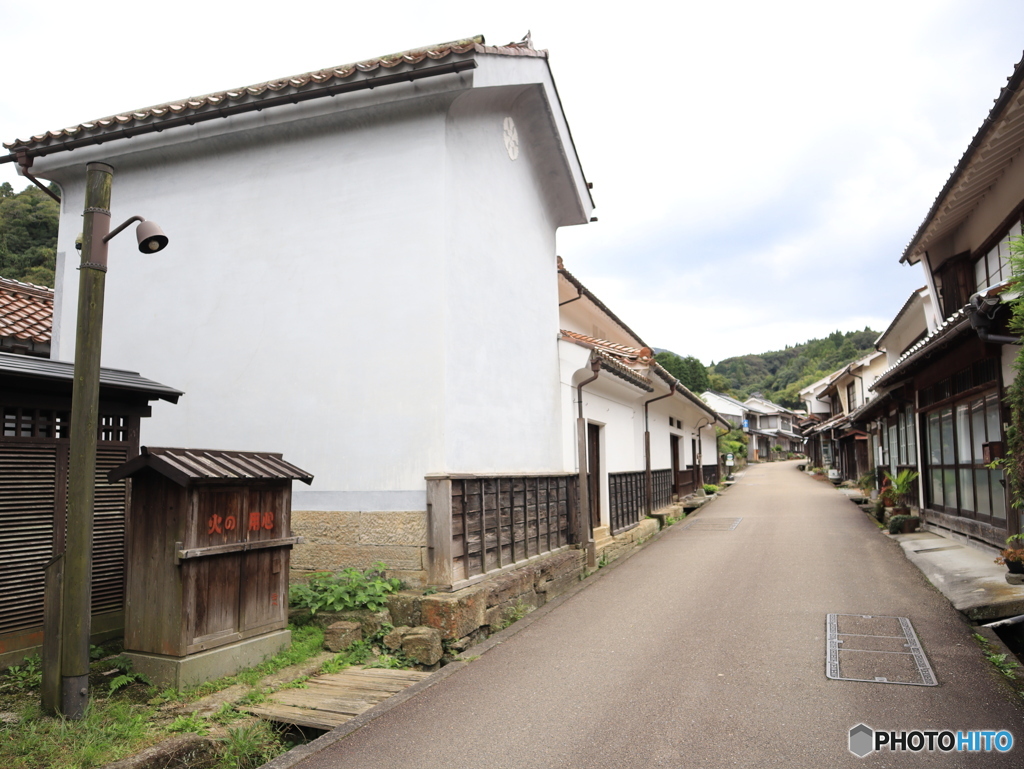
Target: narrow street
{"type": "Point", "coordinates": [706, 648]}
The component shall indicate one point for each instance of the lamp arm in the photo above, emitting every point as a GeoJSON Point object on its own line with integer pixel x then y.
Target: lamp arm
{"type": "Point", "coordinates": [120, 228]}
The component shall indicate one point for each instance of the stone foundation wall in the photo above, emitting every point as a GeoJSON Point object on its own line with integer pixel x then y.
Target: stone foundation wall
{"type": "Point", "coordinates": [467, 615]}
{"type": "Point", "coordinates": [339, 539]}
{"type": "Point", "coordinates": [611, 548]}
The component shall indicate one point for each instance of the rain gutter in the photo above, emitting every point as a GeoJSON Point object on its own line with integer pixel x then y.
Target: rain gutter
{"type": "Point", "coordinates": [236, 109]}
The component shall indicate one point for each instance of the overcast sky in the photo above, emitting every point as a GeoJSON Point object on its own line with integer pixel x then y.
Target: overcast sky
{"type": "Point", "coordinates": [758, 167]}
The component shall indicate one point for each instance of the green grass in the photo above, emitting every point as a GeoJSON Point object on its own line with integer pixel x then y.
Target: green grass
{"type": "Point", "coordinates": [118, 725]}
{"type": "Point", "coordinates": [111, 730]}
{"type": "Point", "coordinates": [1005, 664]}
{"type": "Point", "coordinates": [307, 642]}
{"type": "Point", "coordinates": [250, 746]}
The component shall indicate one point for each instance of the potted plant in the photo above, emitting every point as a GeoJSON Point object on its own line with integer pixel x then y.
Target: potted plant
{"type": "Point", "coordinates": [898, 486]}
{"type": "Point", "coordinates": [1013, 556]}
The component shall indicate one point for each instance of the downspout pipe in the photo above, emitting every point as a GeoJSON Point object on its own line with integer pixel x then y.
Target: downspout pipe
{"type": "Point", "coordinates": [648, 476]}
{"type": "Point", "coordinates": [698, 461]}
{"type": "Point", "coordinates": [25, 161]}
{"type": "Point", "coordinates": [585, 540]}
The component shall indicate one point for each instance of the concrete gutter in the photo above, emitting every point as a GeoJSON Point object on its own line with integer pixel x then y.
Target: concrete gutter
{"type": "Point", "coordinates": [967, 576]}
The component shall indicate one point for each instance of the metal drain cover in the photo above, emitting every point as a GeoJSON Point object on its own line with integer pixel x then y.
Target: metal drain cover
{"type": "Point", "coordinates": [713, 524]}
{"type": "Point", "coordinates": [883, 650]}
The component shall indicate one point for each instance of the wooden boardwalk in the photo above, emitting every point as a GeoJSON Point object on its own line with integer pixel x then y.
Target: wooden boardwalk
{"type": "Point", "coordinates": [330, 700]}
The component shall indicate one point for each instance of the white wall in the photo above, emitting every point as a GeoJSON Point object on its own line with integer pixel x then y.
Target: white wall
{"type": "Point", "coordinates": [370, 290]}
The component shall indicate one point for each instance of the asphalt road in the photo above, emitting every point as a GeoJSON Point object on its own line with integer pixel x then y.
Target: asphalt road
{"type": "Point", "coordinates": [706, 649]}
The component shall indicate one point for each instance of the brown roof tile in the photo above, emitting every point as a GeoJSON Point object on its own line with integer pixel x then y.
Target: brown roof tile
{"type": "Point", "coordinates": [320, 79]}
{"type": "Point", "coordinates": [26, 311]}
{"type": "Point", "coordinates": [633, 353]}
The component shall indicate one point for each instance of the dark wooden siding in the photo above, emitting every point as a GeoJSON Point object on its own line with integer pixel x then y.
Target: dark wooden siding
{"type": "Point", "coordinates": [33, 504]}
{"type": "Point", "coordinates": [662, 482]}
{"type": "Point", "coordinates": [500, 521]}
{"type": "Point", "coordinates": [626, 499]}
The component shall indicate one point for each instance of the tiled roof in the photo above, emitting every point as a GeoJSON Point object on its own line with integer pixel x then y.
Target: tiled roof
{"type": "Point", "coordinates": [951, 327]}
{"type": "Point", "coordinates": [612, 348]}
{"type": "Point", "coordinates": [584, 291]}
{"type": "Point", "coordinates": [112, 380]}
{"type": "Point", "coordinates": [995, 146]}
{"type": "Point", "coordinates": [26, 311]}
{"type": "Point", "coordinates": [836, 421]}
{"type": "Point", "coordinates": [295, 88]}
{"type": "Point", "coordinates": [617, 367]}
{"type": "Point", "coordinates": [616, 357]}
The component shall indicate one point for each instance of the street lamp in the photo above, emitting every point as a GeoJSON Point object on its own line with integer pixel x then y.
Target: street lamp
{"type": "Point", "coordinates": [69, 576]}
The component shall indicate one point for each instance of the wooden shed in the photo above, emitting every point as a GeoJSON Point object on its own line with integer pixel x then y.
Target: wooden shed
{"type": "Point", "coordinates": [208, 546]}
{"type": "Point", "coordinates": [35, 409]}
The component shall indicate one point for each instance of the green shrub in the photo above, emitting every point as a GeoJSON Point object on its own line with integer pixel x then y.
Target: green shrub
{"type": "Point", "coordinates": [897, 521]}
{"type": "Point", "coordinates": [346, 590]}
{"type": "Point", "coordinates": [710, 488]}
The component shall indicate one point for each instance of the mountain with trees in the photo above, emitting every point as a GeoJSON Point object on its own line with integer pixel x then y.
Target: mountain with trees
{"type": "Point", "coordinates": [780, 375]}
{"type": "Point", "coordinates": [28, 235]}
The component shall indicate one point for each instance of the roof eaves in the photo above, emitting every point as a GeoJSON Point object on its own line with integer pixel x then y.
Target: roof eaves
{"type": "Point", "coordinates": [614, 366]}
{"type": "Point", "coordinates": [44, 368]}
{"type": "Point", "coordinates": [408, 65]}
{"type": "Point", "coordinates": [598, 303]}
{"type": "Point", "coordinates": [952, 327]}
{"type": "Point", "coordinates": [903, 310]}
{"type": "Point", "coordinates": [1013, 82]}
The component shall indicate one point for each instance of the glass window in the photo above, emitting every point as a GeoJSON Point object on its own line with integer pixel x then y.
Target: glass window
{"type": "Point", "coordinates": [978, 426]}
{"type": "Point", "coordinates": [984, 504]}
{"type": "Point", "coordinates": [903, 437]}
{"type": "Point", "coordinates": [911, 436]}
{"type": "Point", "coordinates": [936, 478]}
{"type": "Point", "coordinates": [949, 487]}
{"type": "Point", "coordinates": [963, 433]}
{"type": "Point", "coordinates": [967, 490]}
{"type": "Point", "coordinates": [998, 497]}
{"type": "Point", "coordinates": [992, 418]}
{"type": "Point", "coordinates": [946, 425]}
{"type": "Point", "coordinates": [958, 481]}
{"type": "Point", "coordinates": [934, 444]}
{"type": "Point", "coordinates": [893, 443]}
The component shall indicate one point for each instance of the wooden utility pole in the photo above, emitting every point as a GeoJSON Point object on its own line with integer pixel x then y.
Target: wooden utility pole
{"type": "Point", "coordinates": [76, 603]}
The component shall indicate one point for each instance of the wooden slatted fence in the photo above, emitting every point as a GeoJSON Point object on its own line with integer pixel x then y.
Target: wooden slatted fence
{"type": "Point", "coordinates": [626, 499]}
{"type": "Point", "coordinates": [481, 524]}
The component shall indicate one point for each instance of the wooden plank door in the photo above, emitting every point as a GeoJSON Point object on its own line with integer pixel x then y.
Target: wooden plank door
{"type": "Point", "coordinates": [594, 472]}
{"type": "Point", "coordinates": [674, 450]}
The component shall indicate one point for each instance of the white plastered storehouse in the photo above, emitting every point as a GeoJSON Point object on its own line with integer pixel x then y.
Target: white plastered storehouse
{"type": "Point", "coordinates": [361, 275]}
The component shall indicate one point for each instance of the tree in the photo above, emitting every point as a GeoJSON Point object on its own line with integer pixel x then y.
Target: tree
{"type": "Point", "coordinates": [28, 235]}
{"type": "Point", "coordinates": [689, 371]}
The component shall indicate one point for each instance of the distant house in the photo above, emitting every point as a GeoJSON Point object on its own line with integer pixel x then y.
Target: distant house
{"type": "Point", "coordinates": [837, 441]}
{"type": "Point", "coordinates": [640, 420]}
{"type": "Point", "coordinates": [771, 426]}
{"type": "Point", "coordinates": [732, 410]}
{"type": "Point", "coordinates": [362, 275]}
{"type": "Point", "coordinates": [35, 405]}
{"type": "Point", "coordinates": [942, 399]}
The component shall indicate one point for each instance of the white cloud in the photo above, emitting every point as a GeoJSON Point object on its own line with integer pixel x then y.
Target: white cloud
{"type": "Point", "coordinates": [758, 166]}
